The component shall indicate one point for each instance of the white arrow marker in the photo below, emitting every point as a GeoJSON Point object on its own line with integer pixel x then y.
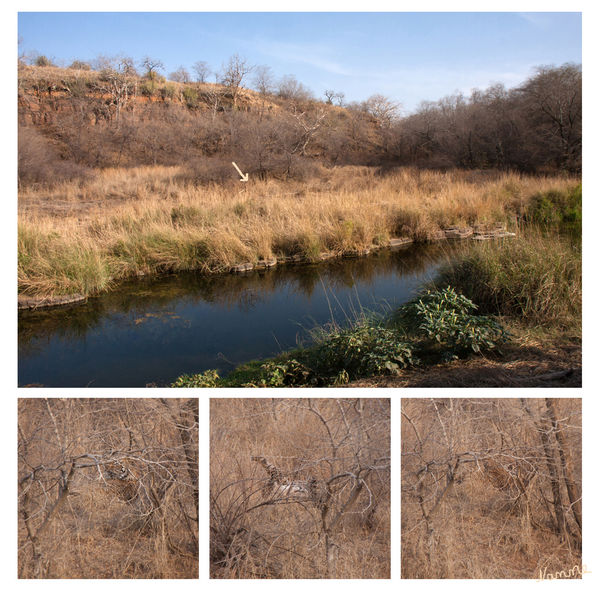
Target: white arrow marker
{"type": "Point", "coordinates": [245, 177]}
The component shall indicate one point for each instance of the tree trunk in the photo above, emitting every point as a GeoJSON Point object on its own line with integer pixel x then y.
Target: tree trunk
{"type": "Point", "coordinates": [574, 495]}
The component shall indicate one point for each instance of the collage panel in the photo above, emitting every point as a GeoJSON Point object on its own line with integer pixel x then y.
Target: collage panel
{"type": "Point", "coordinates": [386, 202]}
{"type": "Point", "coordinates": [491, 488]}
{"type": "Point", "coordinates": [300, 488]}
{"type": "Point", "coordinates": [108, 488]}
{"type": "Point", "coordinates": [219, 220]}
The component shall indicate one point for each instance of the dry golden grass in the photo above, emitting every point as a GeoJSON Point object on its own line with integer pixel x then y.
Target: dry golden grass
{"type": "Point", "coordinates": [73, 523]}
{"type": "Point", "coordinates": [78, 237]}
{"type": "Point", "coordinates": [491, 487]}
{"type": "Point", "coordinates": [257, 533]}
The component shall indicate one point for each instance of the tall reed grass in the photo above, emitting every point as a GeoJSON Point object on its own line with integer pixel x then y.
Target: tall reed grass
{"type": "Point", "coordinates": [535, 278]}
{"type": "Point", "coordinates": [81, 236]}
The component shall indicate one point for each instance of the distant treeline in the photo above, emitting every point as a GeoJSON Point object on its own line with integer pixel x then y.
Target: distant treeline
{"type": "Point", "coordinates": [534, 127]}
{"type": "Point", "coordinates": [77, 119]}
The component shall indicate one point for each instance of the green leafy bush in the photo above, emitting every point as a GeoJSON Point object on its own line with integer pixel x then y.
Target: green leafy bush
{"type": "Point", "coordinates": [167, 91]}
{"type": "Point", "coordinates": [365, 350]}
{"type": "Point", "coordinates": [561, 209]}
{"type": "Point", "coordinates": [206, 379]}
{"type": "Point", "coordinates": [445, 320]}
{"type": "Point", "coordinates": [436, 323]}
{"type": "Point", "coordinates": [147, 88]}
{"type": "Point", "coordinates": [287, 373]}
{"type": "Point", "coordinates": [191, 97]}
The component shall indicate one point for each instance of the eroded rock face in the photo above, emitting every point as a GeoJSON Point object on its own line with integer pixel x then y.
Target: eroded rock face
{"type": "Point", "coordinates": [456, 232]}
{"type": "Point", "coordinates": [28, 303]}
{"type": "Point", "coordinates": [242, 267]}
{"type": "Point", "coordinates": [266, 263]}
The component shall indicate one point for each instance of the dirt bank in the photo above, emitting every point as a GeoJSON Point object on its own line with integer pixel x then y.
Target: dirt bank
{"type": "Point", "coordinates": [527, 363]}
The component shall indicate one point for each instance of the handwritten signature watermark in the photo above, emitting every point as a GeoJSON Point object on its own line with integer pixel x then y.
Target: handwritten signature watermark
{"type": "Point", "coordinates": [569, 574]}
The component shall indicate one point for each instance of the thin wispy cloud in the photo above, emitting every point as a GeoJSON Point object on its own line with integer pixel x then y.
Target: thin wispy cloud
{"type": "Point", "coordinates": [540, 20]}
{"type": "Point", "coordinates": [311, 54]}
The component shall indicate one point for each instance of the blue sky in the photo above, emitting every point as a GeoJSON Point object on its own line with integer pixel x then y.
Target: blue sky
{"type": "Point", "coordinates": [409, 57]}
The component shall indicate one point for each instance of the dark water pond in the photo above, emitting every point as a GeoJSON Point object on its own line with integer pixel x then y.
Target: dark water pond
{"type": "Point", "coordinates": [152, 331]}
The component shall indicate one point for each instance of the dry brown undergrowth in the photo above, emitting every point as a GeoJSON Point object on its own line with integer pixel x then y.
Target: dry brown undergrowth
{"type": "Point", "coordinates": [491, 488]}
{"type": "Point", "coordinates": [336, 448]}
{"type": "Point", "coordinates": [75, 521]}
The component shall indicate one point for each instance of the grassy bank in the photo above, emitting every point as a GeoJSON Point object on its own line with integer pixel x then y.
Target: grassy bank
{"type": "Point", "coordinates": [535, 280]}
{"type": "Point", "coordinates": [80, 237]}
{"type": "Point", "coordinates": [528, 295]}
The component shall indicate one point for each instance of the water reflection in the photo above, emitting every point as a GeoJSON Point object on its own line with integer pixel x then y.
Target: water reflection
{"type": "Point", "coordinates": [151, 331]}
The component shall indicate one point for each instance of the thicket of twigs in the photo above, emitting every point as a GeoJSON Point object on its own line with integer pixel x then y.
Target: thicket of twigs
{"type": "Point", "coordinates": [108, 488]}
{"type": "Point", "coordinates": [325, 513]}
{"type": "Point", "coordinates": [491, 488]}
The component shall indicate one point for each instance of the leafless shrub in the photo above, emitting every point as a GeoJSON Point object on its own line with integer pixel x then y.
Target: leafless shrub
{"type": "Point", "coordinates": [202, 71]}
{"type": "Point", "coordinates": [39, 162]}
{"type": "Point", "coordinates": [299, 488]}
{"type": "Point", "coordinates": [263, 80]}
{"type": "Point", "coordinates": [290, 88]}
{"type": "Point", "coordinates": [180, 75]}
{"type": "Point", "coordinates": [108, 488]}
{"type": "Point", "coordinates": [233, 74]}
{"type": "Point", "coordinates": [491, 488]}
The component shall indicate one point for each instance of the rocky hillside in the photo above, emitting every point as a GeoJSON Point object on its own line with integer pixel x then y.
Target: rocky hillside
{"type": "Point", "coordinates": [76, 120]}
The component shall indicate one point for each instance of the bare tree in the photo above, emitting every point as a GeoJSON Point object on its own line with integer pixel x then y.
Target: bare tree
{"type": "Point", "coordinates": [309, 124]}
{"type": "Point", "coordinates": [233, 74]}
{"type": "Point", "coordinates": [290, 88]}
{"type": "Point", "coordinates": [535, 127]}
{"type": "Point", "coordinates": [263, 80]}
{"type": "Point", "coordinates": [382, 108]}
{"type": "Point", "coordinates": [151, 66]}
{"type": "Point", "coordinates": [553, 101]}
{"type": "Point", "coordinates": [330, 95]}
{"type": "Point", "coordinates": [22, 57]}
{"type": "Point", "coordinates": [180, 75]}
{"type": "Point", "coordinates": [334, 96]}
{"type": "Point", "coordinates": [340, 98]}
{"type": "Point", "coordinates": [202, 71]}
{"type": "Point", "coordinates": [118, 79]}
